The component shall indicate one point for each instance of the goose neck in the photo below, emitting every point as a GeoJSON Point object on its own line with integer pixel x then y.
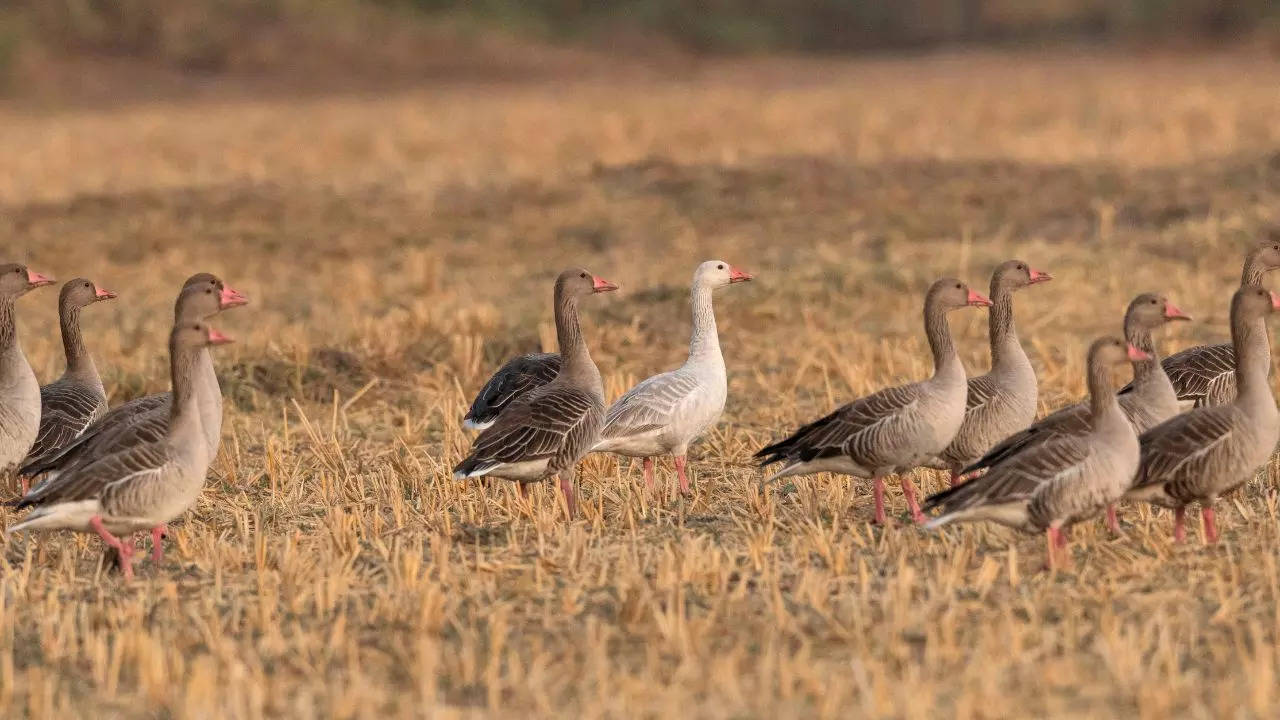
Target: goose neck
{"type": "Point", "coordinates": [8, 324]}
{"type": "Point", "coordinates": [704, 343]}
{"type": "Point", "coordinates": [1002, 333]}
{"type": "Point", "coordinates": [1140, 337]}
{"type": "Point", "coordinates": [577, 365]}
{"type": "Point", "coordinates": [77, 356]}
{"type": "Point", "coordinates": [1103, 404]}
{"type": "Point", "coordinates": [943, 349]}
{"type": "Point", "coordinates": [1253, 357]}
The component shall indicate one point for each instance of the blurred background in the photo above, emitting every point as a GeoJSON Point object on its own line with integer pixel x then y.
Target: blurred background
{"type": "Point", "coordinates": [60, 48]}
{"type": "Point", "coordinates": [395, 183]}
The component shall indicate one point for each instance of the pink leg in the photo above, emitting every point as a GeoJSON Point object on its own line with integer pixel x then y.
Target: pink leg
{"type": "Point", "coordinates": [648, 472]}
{"type": "Point", "coordinates": [566, 487]}
{"type": "Point", "coordinates": [1179, 525]}
{"type": "Point", "coordinates": [953, 480]}
{"type": "Point", "coordinates": [684, 479]}
{"type": "Point", "coordinates": [1063, 537]}
{"type": "Point", "coordinates": [1210, 527]}
{"type": "Point", "coordinates": [909, 489]}
{"type": "Point", "coordinates": [123, 551]}
{"type": "Point", "coordinates": [26, 484]}
{"type": "Point", "coordinates": [158, 534]}
{"type": "Point", "coordinates": [880, 518]}
{"type": "Point", "coordinates": [1113, 522]}
{"type": "Point", "coordinates": [1053, 541]}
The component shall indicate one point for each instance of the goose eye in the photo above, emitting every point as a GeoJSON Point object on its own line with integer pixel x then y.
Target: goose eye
{"type": "Point", "coordinates": [957, 286]}
{"type": "Point", "coordinates": [719, 267]}
{"type": "Point", "coordinates": [86, 284]}
{"type": "Point", "coordinates": [584, 275]}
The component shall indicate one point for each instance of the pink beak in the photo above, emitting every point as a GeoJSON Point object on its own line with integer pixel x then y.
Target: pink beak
{"type": "Point", "coordinates": [35, 279]}
{"type": "Point", "coordinates": [217, 338]}
{"type": "Point", "coordinates": [978, 299]}
{"type": "Point", "coordinates": [599, 284]}
{"type": "Point", "coordinates": [1275, 301]}
{"type": "Point", "coordinates": [1173, 312]}
{"type": "Point", "coordinates": [737, 276]}
{"type": "Point", "coordinates": [1135, 354]}
{"type": "Point", "coordinates": [230, 298]}
{"type": "Point", "coordinates": [1039, 276]}
{"type": "Point", "coordinates": [103, 293]}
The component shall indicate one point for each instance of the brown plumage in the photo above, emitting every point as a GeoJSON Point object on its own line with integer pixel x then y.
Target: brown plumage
{"type": "Point", "coordinates": [71, 403]}
{"type": "Point", "coordinates": [547, 431]}
{"type": "Point", "coordinates": [1209, 451]}
{"type": "Point", "coordinates": [1205, 374]}
{"type": "Point", "coordinates": [1048, 486]}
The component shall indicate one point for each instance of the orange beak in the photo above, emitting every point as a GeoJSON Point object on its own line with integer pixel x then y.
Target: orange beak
{"type": "Point", "coordinates": [599, 284]}
{"type": "Point", "coordinates": [1039, 276]}
{"type": "Point", "coordinates": [35, 279]}
{"type": "Point", "coordinates": [737, 276]}
{"type": "Point", "coordinates": [103, 293]}
{"type": "Point", "coordinates": [229, 298]}
{"type": "Point", "coordinates": [217, 338]}
{"type": "Point", "coordinates": [1136, 355]}
{"type": "Point", "coordinates": [1172, 312]}
{"type": "Point", "coordinates": [977, 299]}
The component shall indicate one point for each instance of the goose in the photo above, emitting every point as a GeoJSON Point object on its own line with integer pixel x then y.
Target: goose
{"type": "Point", "coordinates": [894, 430]}
{"type": "Point", "coordinates": [202, 296]}
{"type": "Point", "coordinates": [1210, 451]}
{"type": "Point", "coordinates": [1003, 401]}
{"type": "Point", "coordinates": [1151, 401]}
{"type": "Point", "coordinates": [19, 390]}
{"type": "Point", "coordinates": [146, 482]}
{"type": "Point", "coordinates": [1049, 486]}
{"type": "Point", "coordinates": [1205, 374]}
{"type": "Point", "coordinates": [663, 414]}
{"type": "Point", "coordinates": [71, 403]}
{"type": "Point", "coordinates": [548, 430]}
{"type": "Point", "coordinates": [517, 377]}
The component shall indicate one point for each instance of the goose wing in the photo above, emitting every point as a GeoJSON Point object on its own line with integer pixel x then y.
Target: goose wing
{"type": "Point", "coordinates": [855, 429]}
{"type": "Point", "coordinates": [1184, 447]}
{"type": "Point", "coordinates": [518, 377]}
{"type": "Point", "coordinates": [1017, 477]}
{"type": "Point", "coordinates": [649, 405]}
{"type": "Point", "coordinates": [538, 427]}
{"type": "Point", "coordinates": [97, 477]}
{"type": "Point", "coordinates": [67, 409]}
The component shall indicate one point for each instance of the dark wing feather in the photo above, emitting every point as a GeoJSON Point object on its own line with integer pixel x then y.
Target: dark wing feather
{"type": "Point", "coordinates": [1070, 420]}
{"type": "Point", "coordinates": [516, 378]}
{"type": "Point", "coordinates": [850, 428]}
{"type": "Point", "coordinates": [96, 440]}
{"type": "Point", "coordinates": [1017, 477]}
{"type": "Point", "coordinates": [67, 408]}
{"type": "Point", "coordinates": [1184, 447]}
{"type": "Point", "coordinates": [144, 452]}
{"type": "Point", "coordinates": [1195, 371]}
{"type": "Point", "coordinates": [538, 427]}
{"type": "Point", "coordinates": [981, 391]}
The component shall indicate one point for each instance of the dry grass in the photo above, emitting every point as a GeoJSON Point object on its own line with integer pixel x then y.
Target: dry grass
{"type": "Point", "coordinates": [399, 247]}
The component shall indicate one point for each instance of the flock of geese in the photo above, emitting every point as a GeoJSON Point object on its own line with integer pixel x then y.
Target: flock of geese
{"type": "Point", "coordinates": [140, 465]}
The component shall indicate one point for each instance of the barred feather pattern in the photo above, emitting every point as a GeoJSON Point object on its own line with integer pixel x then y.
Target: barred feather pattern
{"type": "Point", "coordinates": [518, 377]}
{"type": "Point", "coordinates": [557, 422]}
{"type": "Point", "coordinates": [867, 430]}
{"type": "Point", "coordinates": [649, 405]}
{"type": "Point", "coordinates": [67, 408]}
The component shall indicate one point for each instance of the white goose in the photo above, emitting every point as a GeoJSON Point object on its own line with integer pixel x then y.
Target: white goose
{"type": "Point", "coordinates": [666, 412]}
